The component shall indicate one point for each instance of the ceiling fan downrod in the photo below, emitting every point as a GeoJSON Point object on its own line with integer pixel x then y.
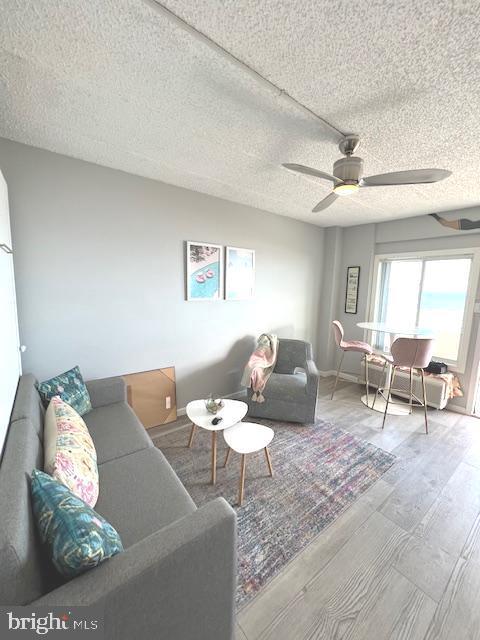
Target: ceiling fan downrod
{"type": "Point", "coordinates": [349, 144]}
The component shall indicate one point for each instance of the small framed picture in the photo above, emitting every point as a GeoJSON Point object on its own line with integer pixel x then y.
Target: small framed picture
{"type": "Point", "coordinates": [351, 294]}
{"type": "Point", "coordinates": [239, 273]}
{"type": "Point", "coordinates": [204, 273]}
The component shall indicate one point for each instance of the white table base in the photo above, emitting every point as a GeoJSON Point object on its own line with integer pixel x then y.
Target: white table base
{"type": "Point", "coordinates": [395, 408]}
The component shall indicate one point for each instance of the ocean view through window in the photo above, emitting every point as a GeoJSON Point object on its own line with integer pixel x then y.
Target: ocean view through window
{"type": "Point", "coordinates": [435, 292]}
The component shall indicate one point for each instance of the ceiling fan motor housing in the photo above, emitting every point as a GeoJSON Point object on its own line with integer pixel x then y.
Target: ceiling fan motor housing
{"type": "Point", "coordinates": [349, 169]}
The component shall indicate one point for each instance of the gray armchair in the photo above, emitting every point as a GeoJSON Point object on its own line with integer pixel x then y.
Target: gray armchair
{"type": "Point", "coordinates": [290, 394]}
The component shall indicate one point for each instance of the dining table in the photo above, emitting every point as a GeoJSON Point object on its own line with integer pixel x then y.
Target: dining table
{"type": "Point", "coordinates": [399, 408]}
{"type": "Point", "coordinates": [395, 329]}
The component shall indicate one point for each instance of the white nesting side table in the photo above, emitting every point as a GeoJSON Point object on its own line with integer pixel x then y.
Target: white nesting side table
{"type": "Point", "coordinates": [244, 438]}
{"type": "Point", "coordinates": [232, 412]}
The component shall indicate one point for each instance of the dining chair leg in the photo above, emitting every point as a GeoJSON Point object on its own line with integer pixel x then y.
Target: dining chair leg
{"type": "Point", "coordinates": [424, 401]}
{"type": "Point", "coordinates": [411, 391]}
{"type": "Point", "coordinates": [392, 380]}
{"type": "Point", "coordinates": [192, 433]}
{"type": "Point", "coordinates": [242, 480]}
{"type": "Point", "coordinates": [338, 373]}
{"type": "Point", "coordinates": [227, 456]}
{"type": "Point", "coordinates": [382, 375]}
{"type": "Point", "coordinates": [269, 461]}
{"type": "Point", "coordinates": [366, 379]}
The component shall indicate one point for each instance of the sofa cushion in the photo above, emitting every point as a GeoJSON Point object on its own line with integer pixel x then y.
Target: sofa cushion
{"type": "Point", "coordinates": [77, 537]}
{"type": "Point", "coordinates": [28, 404]}
{"type": "Point", "coordinates": [288, 387]}
{"type": "Point", "coordinates": [140, 494]}
{"type": "Point", "coordinates": [70, 387]}
{"type": "Point", "coordinates": [25, 572]}
{"type": "Point", "coordinates": [70, 455]}
{"type": "Point", "coordinates": [116, 431]}
{"type": "Point", "coordinates": [105, 391]}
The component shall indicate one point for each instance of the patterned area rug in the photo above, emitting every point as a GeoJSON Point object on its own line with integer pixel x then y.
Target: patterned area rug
{"type": "Point", "coordinates": [318, 472]}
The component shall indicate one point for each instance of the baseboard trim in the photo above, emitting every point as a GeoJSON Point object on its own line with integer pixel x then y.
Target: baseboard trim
{"type": "Point", "coordinates": [457, 409]}
{"type": "Point", "coordinates": [236, 395]}
{"type": "Point", "coordinates": [326, 374]}
{"type": "Point", "coordinates": [344, 376]}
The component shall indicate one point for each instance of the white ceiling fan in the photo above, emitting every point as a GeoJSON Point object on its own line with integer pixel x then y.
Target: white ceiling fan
{"type": "Point", "coordinates": [347, 174]}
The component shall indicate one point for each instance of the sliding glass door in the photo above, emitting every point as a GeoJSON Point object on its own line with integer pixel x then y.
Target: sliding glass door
{"type": "Point", "coordinates": [434, 292]}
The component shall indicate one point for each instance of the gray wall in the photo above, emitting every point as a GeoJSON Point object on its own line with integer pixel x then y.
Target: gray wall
{"type": "Point", "coordinates": [331, 292]}
{"type": "Point", "coordinates": [99, 259]}
{"type": "Point", "coordinates": [358, 250]}
{"type": "Point", "coordinates": [344, 247]}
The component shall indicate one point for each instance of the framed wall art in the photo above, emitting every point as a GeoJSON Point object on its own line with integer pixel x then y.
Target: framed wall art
{"type": "Point", "coordinates": [239, 273]}
{"type": "Point", "coordinates": [351, 294]}
{"type": "Point", "coordinates": [204, 273]}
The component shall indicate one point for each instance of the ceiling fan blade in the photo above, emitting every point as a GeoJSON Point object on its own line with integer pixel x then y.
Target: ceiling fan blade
{"type": "Point", "coordinates": [414, 176]}
{"type": "Point", "coordinates": [326, 202]}
{"type": "Point", "coordinates": [300, 168]}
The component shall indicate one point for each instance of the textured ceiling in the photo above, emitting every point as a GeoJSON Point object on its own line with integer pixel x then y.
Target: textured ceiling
{"type": "Point", "coordinates": [119, 83]}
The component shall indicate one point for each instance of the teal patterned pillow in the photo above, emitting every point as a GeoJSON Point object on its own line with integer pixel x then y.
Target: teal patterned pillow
{"type": "Point", "coordinates": [71, 389]}
{"type": "Point", "coordinates": [77, 536]}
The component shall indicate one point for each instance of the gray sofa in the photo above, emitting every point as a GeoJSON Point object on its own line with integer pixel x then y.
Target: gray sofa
{"type": "Point", "coordinates": [292, 389]}
{"type": "Point", "coordinates": [176, 577]}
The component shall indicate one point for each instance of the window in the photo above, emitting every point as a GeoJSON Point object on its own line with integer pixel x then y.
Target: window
{"type": "Point", "coordinates": [432, 291]}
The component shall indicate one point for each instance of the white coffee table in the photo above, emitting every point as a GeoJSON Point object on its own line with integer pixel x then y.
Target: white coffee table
{"type": "Point", "coordinates": [244, 438]}
{"type": "Point", "coordinates": [232, 412]}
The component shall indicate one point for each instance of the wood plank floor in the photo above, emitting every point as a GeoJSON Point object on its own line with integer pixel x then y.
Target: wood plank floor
{"type": "Point", "coordinates": [402, 563]}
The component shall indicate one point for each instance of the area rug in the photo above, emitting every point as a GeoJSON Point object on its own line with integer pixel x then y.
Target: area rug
{"type": "Point", "coordinates": [319, 471]}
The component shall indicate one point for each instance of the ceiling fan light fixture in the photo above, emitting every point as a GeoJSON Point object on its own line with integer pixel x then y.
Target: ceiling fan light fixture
{"type": "Point", "coordinates": [346, 189]}
{"type": "Point", "coordinates": [347, 175]}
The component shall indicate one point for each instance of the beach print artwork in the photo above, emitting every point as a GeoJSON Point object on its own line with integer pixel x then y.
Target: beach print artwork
{"type": "Point", "coordinates": [240, 273]}
{"type": "Point", "coordinates": [204, 271]}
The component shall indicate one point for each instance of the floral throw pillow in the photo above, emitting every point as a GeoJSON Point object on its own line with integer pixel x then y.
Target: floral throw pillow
{"type": "Point", "coordinates": [70, 387]}
{"type": "Point", "coordinates": [69, 452]}
{"type": "Point", "coordinates": [77, 536]}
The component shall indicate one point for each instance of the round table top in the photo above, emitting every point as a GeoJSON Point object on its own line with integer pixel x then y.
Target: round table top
{"type": "Point", "coordinates": [384, 327]}
{"type": "Point", "coordinates": [247, 437]}
{"type": "Point", "coordinates": [232, 412]}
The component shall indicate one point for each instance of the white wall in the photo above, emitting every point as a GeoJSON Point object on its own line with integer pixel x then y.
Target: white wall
{"type": "Point", "coordinates": [359, 245]}
{"type": "Point", "coordinates": [420, 227]}
{"type": "Point", "coordinates": [425, 234]}
{"type": "Point", "coordinates": [99, 260]}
